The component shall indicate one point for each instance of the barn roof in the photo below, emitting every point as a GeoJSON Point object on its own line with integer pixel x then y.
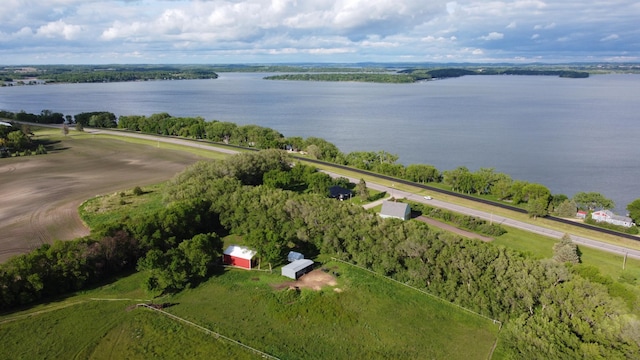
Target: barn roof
{"type": "Point", "coordinates": [394, 209]}
{"type": "Point", "coordinates": [241, 252]}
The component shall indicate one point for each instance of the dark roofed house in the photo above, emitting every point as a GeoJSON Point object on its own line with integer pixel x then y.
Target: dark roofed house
{"type": "Point", "coordinates": [338, 192]}
{"type": "Point", "coordinates": [398, 210]}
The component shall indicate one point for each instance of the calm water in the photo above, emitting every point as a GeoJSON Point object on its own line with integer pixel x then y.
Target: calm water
{"type": "Point", "coordinates": [568, 134]}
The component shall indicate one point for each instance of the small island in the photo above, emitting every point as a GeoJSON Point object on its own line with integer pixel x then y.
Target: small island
{"type": "Point", "coordinates": [420, 74]}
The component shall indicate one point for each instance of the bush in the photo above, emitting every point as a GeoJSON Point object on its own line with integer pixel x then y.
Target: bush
{"type": "Point", "coordinates": [137, 191]}
{"type": "Point", "coordinates": [41, 150]}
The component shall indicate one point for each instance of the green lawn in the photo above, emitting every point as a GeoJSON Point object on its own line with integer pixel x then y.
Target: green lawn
{"type": "Point", "coordinates": [369, 317]}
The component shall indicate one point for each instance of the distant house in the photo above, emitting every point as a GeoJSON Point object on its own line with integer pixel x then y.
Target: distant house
{"type": "Point", "coordinates": [340, 193]}
{"type": "Point", "coordinates": [293, 256]}
{"type": "Point", "coordinates": [581, 214]}
{"type": "Point", "coordinates": [239, 256]}
{"type": "Point", "coordinates": [398, 210]}
{"type": "Point", "coordinates": [611, 218]}
{"type": "Point", "coordinates": [297, 268]}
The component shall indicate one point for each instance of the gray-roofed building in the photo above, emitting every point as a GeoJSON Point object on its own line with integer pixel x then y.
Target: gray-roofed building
{"type": "Point", "coordinates": [611, 218]}
{"type": "Point", "coordinates": [293, 256]}
{"type": "Point", "coordinates": [398, 210]}
{"type": "Point", "coordinates": [297, 268]}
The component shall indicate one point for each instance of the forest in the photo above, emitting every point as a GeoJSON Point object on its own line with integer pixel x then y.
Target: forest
{"type": "Point", "coordinates": [548, 308]}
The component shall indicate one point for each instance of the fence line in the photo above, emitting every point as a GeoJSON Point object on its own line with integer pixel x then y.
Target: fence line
{"type": "Point", "coordinates": [211, 332]}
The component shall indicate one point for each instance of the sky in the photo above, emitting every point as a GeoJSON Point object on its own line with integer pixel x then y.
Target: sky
{"type": "Point", "coordinates": [40, 32]}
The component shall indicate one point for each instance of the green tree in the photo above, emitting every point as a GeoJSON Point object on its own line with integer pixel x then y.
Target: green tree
{"type": "Point", "coordinates": [537, 207]}
{"type": "Point", "coordinates": [502, 187]}
{"type": "Point", "coordinates": [319, 183]}
{"type": "Point", "coordinates": [200, 253]}
{"type": "Point", "coordinates": [567, 209]}
{"type": "Point", "coordinates": [566, 250]}
{"type": "Point", "coordinates": [422, 173]}
{"type": "Point", "coordinates": [634, 210]}
{"type": "Point", "coordinates": [18, 140]}
{"type": "Point", "coordinates": [484, 179]}
{"type": "Point", "coordinates": [592, 201]}
{"type": "Point", "coordinates": [361, 190]}
{"type": "Point", "coordinates": [460, 179]}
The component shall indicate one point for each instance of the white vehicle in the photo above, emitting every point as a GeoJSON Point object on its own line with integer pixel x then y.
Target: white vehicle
{"type": "Point", "coordinates": [428, 197]}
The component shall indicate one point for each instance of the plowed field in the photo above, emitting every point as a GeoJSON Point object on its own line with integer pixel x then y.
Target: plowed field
{"type": "Point", "coordinates": [40, 195]}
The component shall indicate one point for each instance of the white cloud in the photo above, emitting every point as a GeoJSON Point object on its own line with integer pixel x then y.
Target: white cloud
{"type": "Point", "coordinates": [59, 29]}
{"type": "Point", "coordinates": [512, 25]}
{"type": "Point", "coordinates": [545, 26]}
{"type": "Point", "coordinates": [492, 36]}
{"type": "Point", "coordinates": [610, 37]}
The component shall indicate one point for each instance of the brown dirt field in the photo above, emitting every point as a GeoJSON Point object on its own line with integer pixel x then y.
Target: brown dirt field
{"type": "Point", "coordinates": [315, 280]}
{"type": "Point", "coordinates": [40, 195]}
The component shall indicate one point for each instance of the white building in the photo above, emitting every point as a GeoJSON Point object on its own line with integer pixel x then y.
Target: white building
{"type": "Point", "coordinates": [611, 218]}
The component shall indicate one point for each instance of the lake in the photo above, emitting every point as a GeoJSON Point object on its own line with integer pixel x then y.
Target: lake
{"type": "Point", "coordinates": [568, 134]}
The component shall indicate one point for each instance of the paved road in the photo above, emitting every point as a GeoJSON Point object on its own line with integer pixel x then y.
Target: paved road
{"type": "Point", "coordinates": [620, 250]}
{"type": "Point", "coordinates": [580, 240]}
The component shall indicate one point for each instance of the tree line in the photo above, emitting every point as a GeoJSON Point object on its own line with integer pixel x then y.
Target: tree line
{"type": "Point", "coordinates": [112, 73]}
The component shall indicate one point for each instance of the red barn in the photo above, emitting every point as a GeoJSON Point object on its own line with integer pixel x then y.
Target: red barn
{"type": "Point", "coordinates": [239, 256]}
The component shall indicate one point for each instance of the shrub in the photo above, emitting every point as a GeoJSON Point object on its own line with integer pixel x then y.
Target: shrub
{"type": "Point", "coordinates": [41, 150]}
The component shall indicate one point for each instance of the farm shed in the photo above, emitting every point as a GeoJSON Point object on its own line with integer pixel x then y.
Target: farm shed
{"type": "Point", "coordinates": [297, 268]}
{"type": "Point", "coordinates": [293, 256]}
{"type": "Point", "coordinates": [398, 210]}
{"type": "Point", "coordinates": [239, 256]}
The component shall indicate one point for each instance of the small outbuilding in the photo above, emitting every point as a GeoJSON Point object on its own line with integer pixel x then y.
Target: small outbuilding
{"type": "Point", "coordinates": [398, 210]}
{"type": "Point", "coordinates": [297, 268]}
{"type": "Point", "coordinates": [239, 256]}
{"type": "Point", "coordinates": [293, 256]}
{"type": "Point", "coordinates": [340, 193]}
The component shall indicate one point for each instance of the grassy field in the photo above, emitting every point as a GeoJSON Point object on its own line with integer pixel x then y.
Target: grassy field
{"type": "Point", "coordinates": [81, 327]}
{"type": "Point", "coordinates": [369, 317]}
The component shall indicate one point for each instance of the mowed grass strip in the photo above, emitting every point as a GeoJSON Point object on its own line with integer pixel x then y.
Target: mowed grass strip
{"type": "Point", "coordinates": [367, 317]}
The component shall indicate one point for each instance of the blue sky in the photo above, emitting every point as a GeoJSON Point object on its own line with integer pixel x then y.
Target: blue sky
{"type": "Point", "coordinates": [342, 31]}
